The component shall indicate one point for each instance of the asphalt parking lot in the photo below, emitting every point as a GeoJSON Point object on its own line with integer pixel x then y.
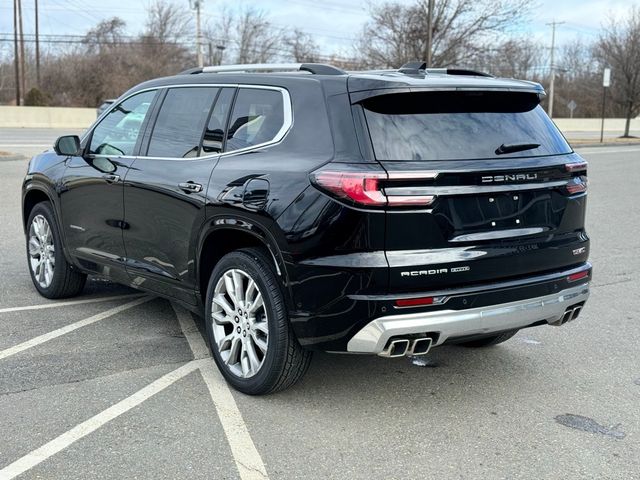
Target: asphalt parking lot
{"type": "Point", "coordinates": [113, 384]}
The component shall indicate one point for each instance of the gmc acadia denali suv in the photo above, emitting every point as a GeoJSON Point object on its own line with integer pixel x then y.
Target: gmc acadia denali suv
{"type": "Point", "coordinates": [300, 208]}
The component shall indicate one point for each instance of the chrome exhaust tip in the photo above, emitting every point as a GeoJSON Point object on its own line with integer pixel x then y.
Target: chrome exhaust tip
{"type": "Point", "coordinates": [396, 348]}
{"type": "Point", "coordinates": [575, 313]}
{"type": "Point", "coordinates": [421, 346]}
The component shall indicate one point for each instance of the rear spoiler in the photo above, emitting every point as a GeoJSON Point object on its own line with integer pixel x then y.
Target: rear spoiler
{"type": "Point", "coordinates": [361, 95]}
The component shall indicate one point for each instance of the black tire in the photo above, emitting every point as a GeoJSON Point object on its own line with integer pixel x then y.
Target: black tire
{"type": "Point", "coordinates": [65, 282]}
{"type": "Point", "coordinates": [490, 340]}
{"type": "Point", "coordinates": [285, 361]}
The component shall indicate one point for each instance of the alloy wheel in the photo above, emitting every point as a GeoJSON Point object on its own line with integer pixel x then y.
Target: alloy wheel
{"type": "Point", "coordinates": [41, 251]}
{"type": "Point", "coordinates": [240, 323]}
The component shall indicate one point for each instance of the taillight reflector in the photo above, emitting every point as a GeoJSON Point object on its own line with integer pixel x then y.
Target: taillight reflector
{"type": "Point", "coordinates": [420, 301]}
{"type": "Point", "coordinates": [574, 277]}
{"type": "Point", "coordinates": [414, 302]}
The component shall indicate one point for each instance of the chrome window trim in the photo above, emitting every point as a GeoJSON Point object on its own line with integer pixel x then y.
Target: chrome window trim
{"type": "Point", "coordinates": [278, 138]}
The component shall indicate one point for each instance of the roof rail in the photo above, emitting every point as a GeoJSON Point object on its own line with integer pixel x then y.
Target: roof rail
{"type": "Point", "coordinates": [314, 68]}
{"type": "Point", "coordinates": [415, 68]}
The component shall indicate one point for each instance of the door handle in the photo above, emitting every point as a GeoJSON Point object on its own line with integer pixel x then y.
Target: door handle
{"type": "Point", "coordinates": [111, 178]}
{"type": "Point", "coordinates": [190, 187]}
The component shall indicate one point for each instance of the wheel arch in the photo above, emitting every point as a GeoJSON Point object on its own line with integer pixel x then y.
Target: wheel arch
{"type": "Point", "coordinates": [32, 196]}
{"type": "Point", "coordinates": [34, 193]}
{"type": "Point", "coordinates": [224, 234]}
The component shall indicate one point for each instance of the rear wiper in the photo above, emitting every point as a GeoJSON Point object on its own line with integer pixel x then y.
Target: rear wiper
{"type": "Point", "coordinates": [515, 147]}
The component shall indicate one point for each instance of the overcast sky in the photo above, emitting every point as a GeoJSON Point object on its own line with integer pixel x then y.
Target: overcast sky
{"type": "Point", "coordinates": [333, 23]}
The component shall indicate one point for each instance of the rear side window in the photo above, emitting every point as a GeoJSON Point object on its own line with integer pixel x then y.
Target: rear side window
{"type": "Point", "coordinates": [460, 126]}
{"type": "Point", "coordinates": [258, 116]}
{"type": "Point", "coordinates": [178, 129]}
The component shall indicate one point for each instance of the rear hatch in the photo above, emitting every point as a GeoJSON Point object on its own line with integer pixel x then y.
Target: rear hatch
{"type": "Point", "coordinates": [480, 186]}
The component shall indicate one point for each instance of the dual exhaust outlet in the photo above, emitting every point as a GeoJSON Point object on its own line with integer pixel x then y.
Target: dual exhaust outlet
{"type": "Point", "coordinates": [401, 347]}
{"type": "Point", "coordinates": [570, 314]}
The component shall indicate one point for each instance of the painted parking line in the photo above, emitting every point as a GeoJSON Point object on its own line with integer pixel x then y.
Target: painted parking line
{"type": "Point", "coordinates": [70, 302]}
{"type": "Point", "coordinates": [70, 328]}
{"type": "Point", "coordinates": [88, 426]}
{"type": "Point", "coordinates": [245, 454]}
{"type": "Point", "coordinates": [191, 332]}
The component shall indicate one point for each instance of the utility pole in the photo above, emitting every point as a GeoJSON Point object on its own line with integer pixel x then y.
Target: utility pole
{"type": "Point", "coordinates": [37, 48]}
{"type": "Point", "coordinates": [552, 67]}
{"type": "Point", "coordinates": [16, 54]}
{"type": "Point", "coordinates": [23, 73]}
{"type": "Point", "coordinates": [195, 5]}
{"type": "Point", "coordinates": [430, 32]}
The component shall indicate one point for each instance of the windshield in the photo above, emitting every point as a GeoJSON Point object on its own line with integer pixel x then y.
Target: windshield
{"type": "Point", "coordinates": [423, 126]}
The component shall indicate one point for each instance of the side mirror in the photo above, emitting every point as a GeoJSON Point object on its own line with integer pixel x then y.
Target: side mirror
{"type": "Point", "coordinates": [68, 145]}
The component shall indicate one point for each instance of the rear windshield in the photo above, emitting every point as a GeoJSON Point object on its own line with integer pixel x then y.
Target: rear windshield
{"type": "Point", "coordinates": [425, 126]}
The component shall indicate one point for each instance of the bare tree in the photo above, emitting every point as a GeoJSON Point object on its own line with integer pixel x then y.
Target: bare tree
{"type": "Point", "coordinates": [256, 40]}
{"type": "Point", "coordinates": [515, 58]}
{"type": "Point", "coordinates": [619, 47]}
{"type": "Point", "coordinates": [302, 47]}
{"type": "Point", "coordinates": [397, 33]}
{"type": "Point", "coordinates": [167, 23]}
{"type": "Point", "coordinates": [162, 49]}
{"type": "Point", "coordinates": [108, 34]}
{"type": "Point", "coordinates": [219, 33]}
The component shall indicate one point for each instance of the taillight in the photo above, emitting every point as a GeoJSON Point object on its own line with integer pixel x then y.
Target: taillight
{"type": "Point", "coordinates": [361, 188]}
{"type": "Point", "coordinates": [576, 167]}
{"type": "Point", "coordinates": [368, 188]}
{"type": "Point", "coordinates": [577, 185]}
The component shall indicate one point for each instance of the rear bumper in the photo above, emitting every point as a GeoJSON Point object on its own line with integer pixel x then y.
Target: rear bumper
{"type": "Point", "coordinates": [442, 325]}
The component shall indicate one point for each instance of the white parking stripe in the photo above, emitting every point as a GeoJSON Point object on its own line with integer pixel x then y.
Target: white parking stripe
{"type": "Point", "coordinates": [70, 328]}
{"type": "Point", "coordinates": [69, 303]}
{"type": "Point", "coordinates": [191, 332]}
{"type": "Point", "coordinates": [85, 428]}
{"type": "Point", "coordinates": [248, 460]}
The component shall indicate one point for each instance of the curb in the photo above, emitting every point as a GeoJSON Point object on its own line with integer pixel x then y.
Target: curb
{"type": "Point", "coordinates": [12, 157]}
{"type": "Point", "coordinates": [579, 144]}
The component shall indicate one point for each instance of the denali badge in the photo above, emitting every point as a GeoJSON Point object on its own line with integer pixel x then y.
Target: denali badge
{"type": "Point", "coordinates": [435, 271]}
{"type": "Point", "coordinates": [515, 177]}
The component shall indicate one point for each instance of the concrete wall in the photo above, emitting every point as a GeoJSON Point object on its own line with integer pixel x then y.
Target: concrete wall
{"type": "Point", "coordinates": [46, 117]}
{"type": "Point", "coordinates": [593, 124]}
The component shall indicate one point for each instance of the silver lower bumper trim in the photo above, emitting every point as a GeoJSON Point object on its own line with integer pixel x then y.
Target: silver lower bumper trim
{"type": "Point", "coordinates": [454, 323]}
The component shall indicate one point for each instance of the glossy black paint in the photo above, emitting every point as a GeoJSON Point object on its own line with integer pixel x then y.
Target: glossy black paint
{"type": "Point", "coordinates": [337, 264]}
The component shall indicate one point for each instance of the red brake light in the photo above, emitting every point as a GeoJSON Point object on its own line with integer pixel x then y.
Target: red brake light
{"type": "Point", "coordinates": [574, 277]}
{"type": "Point", "coordinates": [366, 188]}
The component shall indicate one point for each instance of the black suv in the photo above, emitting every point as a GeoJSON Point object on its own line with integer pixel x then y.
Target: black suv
{"type": "Point", "coordinates": [300, 207]}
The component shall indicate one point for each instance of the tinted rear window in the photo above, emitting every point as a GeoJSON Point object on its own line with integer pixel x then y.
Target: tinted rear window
{"type": "Point", "coordinates": [459, 126]}
{"type": "Point", "coordinates": [180, 123]}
